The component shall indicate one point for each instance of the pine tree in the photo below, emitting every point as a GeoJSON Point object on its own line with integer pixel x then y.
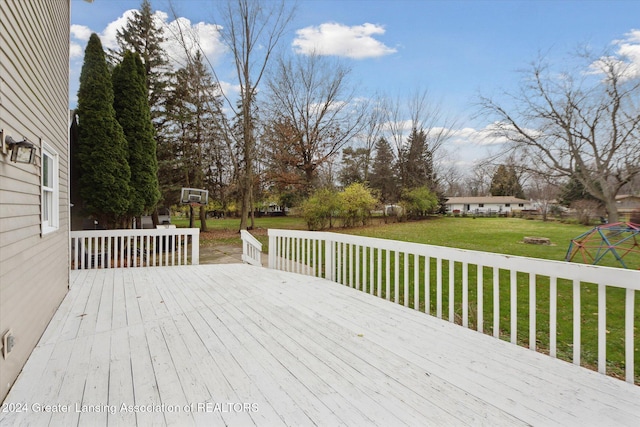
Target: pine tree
{"type": "Point", "coordinates": [143, 36]}
{"type": "Point", "coordinates": [102, 148]}
{"type": "Point", "coordinates": [505, 182]}
{"type": "Point", "coordinates": [133, 114]}
{"type": "Point", "coordinates": [354, 165]}
{"type": "Point", "coordinates": [417, 161]}
{"type": "Point", "coordinates": [194, 118]}
{"type": "Point", "coordinates": [575, 191]}
{"type": "Point", "coordinates": [382, 177]}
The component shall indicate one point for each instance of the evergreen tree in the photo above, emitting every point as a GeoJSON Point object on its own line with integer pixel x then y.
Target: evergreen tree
{"type": "Point", "coordinates": [102, 148]}
{"type": "Point", "coordinates": [143, 36]}
{"type": "Point", "coordinates": [505, 182]}
{"type": "Point", "coordinates": [133, 114]}
{"type": "Point", "coordinates": [382, 177]}
{"type": "Point", "coordinates": [575, 191]}
{"type": "Point", "coordinates": [354, 166]}
{"type": "Point", "coordinates": [417, 162]}
{"type": "Point", "coordinates": [194, 121]}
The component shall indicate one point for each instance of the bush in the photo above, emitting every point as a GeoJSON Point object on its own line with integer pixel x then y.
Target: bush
{"type": "Point", "coordinates": [586, 210]}
{"type": "Point", "coordinates": [356, 203]}
{"type": "Point", "coordinates": [419, 202]}
{"type": "Point", "coordinates": [320, 209]}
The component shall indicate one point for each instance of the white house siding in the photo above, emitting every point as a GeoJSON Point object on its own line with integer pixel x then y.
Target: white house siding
{"type": "Point", "coordinates": [34, 80]}
{"type": "Point", "coordinates": [489, 204]}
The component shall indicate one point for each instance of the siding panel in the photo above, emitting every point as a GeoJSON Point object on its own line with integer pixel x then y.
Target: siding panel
{"type": "Point", "coordinates": [34, 268]}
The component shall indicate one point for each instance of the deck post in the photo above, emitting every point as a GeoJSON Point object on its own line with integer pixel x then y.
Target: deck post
{"type": "Point", "coordinates": [195, 247]}
{"type": "Point", "coordinates": [272, 251]}
{"type": "Point", "coordinates": [329, 248]}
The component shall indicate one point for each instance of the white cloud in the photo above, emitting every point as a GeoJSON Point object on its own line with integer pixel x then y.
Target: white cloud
{"type": "Point", "coordinates": [354, 42]}
{"type": "Point", "coordinates": [75, 50]}
{"type": "Point", "coordinates": [108, 35]}
{"type": "Point", "coordinates": [471, 136]}
{"type": "Point", "coordinates": [80, 32]}
{"type": "Point", "coordinates": [181, 32]}
{"type": "Point", "coordinates": [629, 50]}
{"type": "Point", "coordinates": [205, 35]}
{"type": "Point", "coordinates": [626, 59]}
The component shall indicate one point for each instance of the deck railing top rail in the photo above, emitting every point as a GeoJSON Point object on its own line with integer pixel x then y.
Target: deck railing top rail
{"type": "Point", "coordinates": [623, 278]}
{"type": "Point", "coordinates": [134, 247]}
{"type": "Point", "coordinates": [555, 301]}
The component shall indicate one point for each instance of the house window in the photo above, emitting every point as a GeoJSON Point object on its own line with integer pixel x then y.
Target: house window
{"type": "Point", "coordinates": [50, 190]}
{"type": "Point", "coordinates": [507, 205]}
{"type": "Point", "coordinates": [481, 205]}
{"type": "Point", "coordinates": [521, 205]}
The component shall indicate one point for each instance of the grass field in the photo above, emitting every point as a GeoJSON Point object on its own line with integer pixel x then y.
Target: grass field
{"type": "Point", "coordinates": [500, 235]}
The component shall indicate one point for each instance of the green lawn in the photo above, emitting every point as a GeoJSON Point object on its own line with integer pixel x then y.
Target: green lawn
{"type": "Point", "coordinates": [500, 235]}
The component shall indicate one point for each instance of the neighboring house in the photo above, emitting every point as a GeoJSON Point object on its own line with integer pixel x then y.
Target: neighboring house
{"type": "Point", "coordinates": [627, 203]}
{"type": "Point", "coordinates": [34, 202]}
{"type": "Point", "coordinates": [485, 205]}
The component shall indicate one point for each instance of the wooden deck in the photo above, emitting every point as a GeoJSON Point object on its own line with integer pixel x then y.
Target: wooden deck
{"type": "Point", "coordinates": [241, 345]}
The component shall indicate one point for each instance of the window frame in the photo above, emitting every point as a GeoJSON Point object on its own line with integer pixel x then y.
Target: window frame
{"type": "Point", "coordinates": [49, 194]}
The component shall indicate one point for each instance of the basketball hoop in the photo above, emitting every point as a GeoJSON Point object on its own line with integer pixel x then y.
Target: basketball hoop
{"type": "Point", "coordinates": [194, 197]}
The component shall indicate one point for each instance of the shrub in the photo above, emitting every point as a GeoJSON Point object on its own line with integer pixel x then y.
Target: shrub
{"type": "Point", "coordinates": [586, 210]}
{"type": "Point", "coordinates": [419, 201]}
{"type": "Point", "coordinates": [356, 203]}
{"type": "Point", "coordinates": [320, 209]}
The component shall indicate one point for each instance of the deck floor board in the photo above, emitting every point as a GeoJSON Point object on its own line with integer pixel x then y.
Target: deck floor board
{"type": "Point", "coordinates": [235, 345]}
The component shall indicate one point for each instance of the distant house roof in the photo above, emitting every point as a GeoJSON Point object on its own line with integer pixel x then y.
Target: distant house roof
{"type": "Point", "coordinates": [626, 196]}
{"type": "Point", "coordinates": [499, 200]}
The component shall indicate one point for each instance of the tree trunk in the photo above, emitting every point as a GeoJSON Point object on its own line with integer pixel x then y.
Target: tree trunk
{"type": "Point", "coordinates": [203, 219]}
{"type": "Point", "coordinates": [612, 210]}
{"type": "Point", "coordinates": [246, 202]}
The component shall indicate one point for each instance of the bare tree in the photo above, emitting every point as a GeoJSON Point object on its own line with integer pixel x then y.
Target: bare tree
{"type": "Point", "coordinates": [251, 29]}
{"type": "Point", "coordinates": [479, 182]}
{"type": "Point", "coordinates": [313, 112]}
{"type": "Point", "coordinates": [417, 114]}
{"type": "Point", "coordinates": [451, 180]}
{"type": "Point", "coordinates": [584, 124]}
{"type": "Point", "coordinates": [544, 191]}
{"type": "Point", "coordinates": [372, 131]}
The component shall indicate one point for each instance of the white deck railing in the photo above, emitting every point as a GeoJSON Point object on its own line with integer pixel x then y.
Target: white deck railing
{"type": "Point", "coordinates": [425, 277]}
{"type": "Point", "coordinates": [251, 249]}
{"type": "Point", "coordinates": [134, 248]}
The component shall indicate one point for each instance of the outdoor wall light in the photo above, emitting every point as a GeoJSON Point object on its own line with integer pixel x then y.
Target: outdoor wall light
{"type": "Point", "coordinates": [21, 151]}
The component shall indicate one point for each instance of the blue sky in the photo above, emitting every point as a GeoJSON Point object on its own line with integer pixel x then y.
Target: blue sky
{"type": "Point", "coordinates": [453, 49]}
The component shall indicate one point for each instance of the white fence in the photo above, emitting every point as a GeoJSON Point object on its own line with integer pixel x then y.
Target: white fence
{"type": "Point", "coordinates": [533, 296]}
{"type": "Point", "coordinates": [134, 248]}
{"type": "Point", "coordinates": [251, 249]}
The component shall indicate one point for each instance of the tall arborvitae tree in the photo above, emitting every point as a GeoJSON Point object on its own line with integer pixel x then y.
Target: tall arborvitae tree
{"type": "Point", "coordinates": [102, 148]}
{"type": "Point", "coordinates": [142, 35]}
{"type": "Point", "coordinates": [382, 177]}
{"type": "Point", "coordinates": [505, 182]}
{"type": "Point", "coordinates": [133, 114]}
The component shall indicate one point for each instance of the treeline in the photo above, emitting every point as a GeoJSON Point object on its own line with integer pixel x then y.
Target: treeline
{"type": "Point", "coordinates": [294, 125]}
{"type": "Point", "coordinates": [278, 147]}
